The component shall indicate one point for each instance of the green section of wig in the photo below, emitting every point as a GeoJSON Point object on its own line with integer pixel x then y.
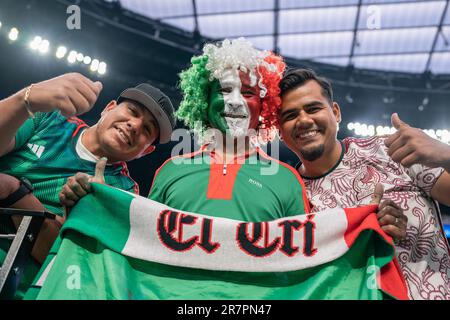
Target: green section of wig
{"type": "Point", "coordinates": [194, 84]}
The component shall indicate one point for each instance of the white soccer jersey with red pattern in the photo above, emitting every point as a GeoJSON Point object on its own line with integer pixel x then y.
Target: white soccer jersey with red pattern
{"type": "Point", "coordinates": [424, 255]}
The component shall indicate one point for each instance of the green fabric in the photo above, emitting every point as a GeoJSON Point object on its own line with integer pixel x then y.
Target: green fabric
{"type": "Point", "coordinates": [101, 272]}
{"type": "Point", "coordinates": [256, 197]}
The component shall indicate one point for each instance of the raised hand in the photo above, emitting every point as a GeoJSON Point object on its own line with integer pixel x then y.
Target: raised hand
{"type": "Point", "coordinates": [410, 146]}
{"type": "Point", "coordinates": [79, 185]}
{"type": "Point", "coordinates": [71, 93]}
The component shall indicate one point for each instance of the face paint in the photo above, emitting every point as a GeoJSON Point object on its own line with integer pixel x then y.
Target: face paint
{"type": "Point", "coordinates": [234, 104]}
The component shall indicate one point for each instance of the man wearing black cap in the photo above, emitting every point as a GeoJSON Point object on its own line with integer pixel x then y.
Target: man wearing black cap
{"type": "Point", "coordinates": [42, 144]}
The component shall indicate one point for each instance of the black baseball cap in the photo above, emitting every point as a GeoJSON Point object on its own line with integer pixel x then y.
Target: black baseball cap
{"type": "Point", "coordinates": [157, 103]}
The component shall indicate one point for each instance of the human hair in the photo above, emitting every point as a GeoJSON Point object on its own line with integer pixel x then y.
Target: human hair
{"type": "Point", "coordinates": [295, 78]}
{"type": "Point", "coordinates": [265, 69]}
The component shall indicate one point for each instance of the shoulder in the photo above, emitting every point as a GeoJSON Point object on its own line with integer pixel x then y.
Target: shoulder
{"type": "Point", "coordinates": [365, 147]}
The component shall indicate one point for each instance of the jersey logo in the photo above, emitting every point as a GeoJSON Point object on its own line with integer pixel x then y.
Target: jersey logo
{"type": "Point", "coordinates": [36, 149]}
{"type": "Point", "coordinates": [256, 183]}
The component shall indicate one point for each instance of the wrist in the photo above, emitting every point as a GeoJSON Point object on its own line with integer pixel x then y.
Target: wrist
{"type": "Point", "coordinates": [22, 101]}
{"type": "Point", "coordinates": [26, 99]}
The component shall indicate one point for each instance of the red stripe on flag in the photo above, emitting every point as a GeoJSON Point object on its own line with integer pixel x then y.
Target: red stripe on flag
{"type": "Point", "coordinates": [391, 278]}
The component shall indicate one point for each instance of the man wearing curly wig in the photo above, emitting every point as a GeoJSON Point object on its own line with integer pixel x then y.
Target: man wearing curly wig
{"type": "Point", "coordinates": [230, 98]}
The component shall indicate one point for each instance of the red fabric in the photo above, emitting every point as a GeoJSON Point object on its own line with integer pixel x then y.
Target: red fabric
{"type": "Point", "coordinates": [390, 279]}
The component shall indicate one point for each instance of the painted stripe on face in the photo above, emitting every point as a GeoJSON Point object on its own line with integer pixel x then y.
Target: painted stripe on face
{"type": "Point", "coordinates": [228, 110]}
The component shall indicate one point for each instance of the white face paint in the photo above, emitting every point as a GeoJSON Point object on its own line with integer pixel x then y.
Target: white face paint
{"type": "Point", "coordinates": [236, 110]}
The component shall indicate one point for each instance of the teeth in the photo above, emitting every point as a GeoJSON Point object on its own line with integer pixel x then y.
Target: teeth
{"type": "Point", "coordinates": [124, 136]}
{"type": "Point", "coordinates": [230, 115]}
{"type": "Point", "coordinates": [308, 134]}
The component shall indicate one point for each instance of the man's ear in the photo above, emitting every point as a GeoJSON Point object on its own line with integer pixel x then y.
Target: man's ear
{"type": "Point", "coordinates": [337, 112]}
{"type": "Point", "coordinates": [147, 151]}
{"type": "Point", "coordinates": [111, 105]}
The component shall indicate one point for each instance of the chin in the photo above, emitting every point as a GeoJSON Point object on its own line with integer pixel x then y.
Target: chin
{"type": "Point", "coordinates": [312, 154]}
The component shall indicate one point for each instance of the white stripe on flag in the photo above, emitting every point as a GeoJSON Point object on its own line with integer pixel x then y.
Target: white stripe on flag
{"type": "Point", "coordinates": [44, 274]}
{"type": "Point", "coordinates": [144, 243]}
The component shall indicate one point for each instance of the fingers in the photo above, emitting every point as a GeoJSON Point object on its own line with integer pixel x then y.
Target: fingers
{"type": "Point", "coordinates": [67, 197]}
{"type": "Point", "coordinates": [400, 154]}
{"type": "Point", "coordinates": [392, 219]}
{"type": "Point", "coordinates": [75, 188]}
{"type": "Point", "coordinates": [395, 232]}
{"type": "Point", "coordinates": [397, 123]}
{"type": "Point", "coordinates": [100, 171]}
{"type": "Point", "coordinates": [377, 194]}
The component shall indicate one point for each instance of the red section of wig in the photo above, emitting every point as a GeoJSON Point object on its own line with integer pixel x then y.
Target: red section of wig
{"type": "Point", "coordinates": [272, 101]}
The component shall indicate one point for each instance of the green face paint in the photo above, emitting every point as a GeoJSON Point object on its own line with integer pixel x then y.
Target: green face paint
{"type": "Point", "coordinates": [217, 107]}
{"type": "Point", "coordinates": [234, 105]}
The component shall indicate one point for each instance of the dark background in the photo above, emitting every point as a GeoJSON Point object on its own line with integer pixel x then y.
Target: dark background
{"type": "Point", "coordinates": [138, 49]}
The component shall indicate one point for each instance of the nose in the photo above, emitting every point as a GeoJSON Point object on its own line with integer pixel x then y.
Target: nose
{"type": "Point", "coordinates": [304, 120]}
{"type": "Point", "coordinates": [234, 101]}
{"type": "Point", "coordinates": [135, 124]}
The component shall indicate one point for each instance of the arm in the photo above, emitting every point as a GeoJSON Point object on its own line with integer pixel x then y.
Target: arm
{"type": "Point", "coordinates": [410, 146]}
{"type": "Point", "coordinates": [71, 93]}
{"type": "Point", "coordinates": [49, 229]}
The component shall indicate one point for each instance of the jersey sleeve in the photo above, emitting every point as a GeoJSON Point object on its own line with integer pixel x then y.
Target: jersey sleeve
{"type": "Point", "coordinates": [160, 181]}
{"type": "Point", "coordinates": [422, 176]}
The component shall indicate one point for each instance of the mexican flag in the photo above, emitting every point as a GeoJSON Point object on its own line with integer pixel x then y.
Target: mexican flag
{"type": "Point", "coordinates": [116, 245]}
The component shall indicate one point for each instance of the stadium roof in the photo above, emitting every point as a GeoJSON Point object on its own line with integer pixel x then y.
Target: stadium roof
{"type": "Point", "coordinates": [388, 35]}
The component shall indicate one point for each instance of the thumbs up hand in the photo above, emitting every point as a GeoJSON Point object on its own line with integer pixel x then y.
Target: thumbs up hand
{"type": "Point", "coordinates": [390, 217]}
{"type": "Point", "coordinates": [410, 146]}
{"type": "Point", "coordinates": [99, 171]}
{"type": "Point", "coordinates": [79, 185]}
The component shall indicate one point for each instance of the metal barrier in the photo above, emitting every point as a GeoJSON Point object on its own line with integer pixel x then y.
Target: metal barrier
{"type": "Point", "coordinates": [23, 240]}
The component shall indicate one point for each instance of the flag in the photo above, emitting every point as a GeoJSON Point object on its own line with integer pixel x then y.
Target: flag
{"type": "Point", "coordinates": [117, 245]}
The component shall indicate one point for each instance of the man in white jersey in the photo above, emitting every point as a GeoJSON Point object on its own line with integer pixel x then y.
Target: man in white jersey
{"type": "Point", "coordinates": [413, 168]}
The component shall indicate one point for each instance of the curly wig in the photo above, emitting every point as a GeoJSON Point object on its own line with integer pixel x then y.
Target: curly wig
{"type": "Point", "coordinates": [265, 70]}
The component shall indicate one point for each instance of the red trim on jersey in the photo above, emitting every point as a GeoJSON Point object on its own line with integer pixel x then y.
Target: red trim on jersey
{"type": "Point", "coordinates": [297, 175]}
{"type": "Point", "coordinates": [126, 173]}
{"type": "Point", "coordinates": [390, 279]}
{"type": "Point", "coordinates": [80, 124]}
{"type": "Point", "coordinates": [221, 185]}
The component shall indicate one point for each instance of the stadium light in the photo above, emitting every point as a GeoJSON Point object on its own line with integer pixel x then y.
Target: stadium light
{"type": "Point", "coordinates": [94, 65]}
{"type": "Point", "coordinates": [87, 60]}
{"type": "Point", "coordinates": [364, 130]}
{"type": "Point", "coordinates": [34, 45]}
{"type": "Point", "coordinates": [72, 57]}
{"type": "Point", "coordinates": [80, 57]}
{"type": "Point", "coordinates": [61, 52]}
{"type": "Point", "coordinates": [13, 34]}
{"type": "Point", "coordinates": [102, 68]}
{"type": "Point", "coordinates": [43, 46]}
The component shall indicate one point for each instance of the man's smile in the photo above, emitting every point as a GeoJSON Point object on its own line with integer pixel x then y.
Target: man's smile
{"type": "Point", "coordinates": [124, 136]}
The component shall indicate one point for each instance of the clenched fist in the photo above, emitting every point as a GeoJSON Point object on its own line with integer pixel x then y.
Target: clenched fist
{"type": "Point", "coordinates": [71, 93]}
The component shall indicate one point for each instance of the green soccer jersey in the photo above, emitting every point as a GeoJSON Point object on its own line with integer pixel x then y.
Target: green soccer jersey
{"type": "Point", "coordinates": [258, 188]}
{"type": "Point", "coordinates": [45, 154]}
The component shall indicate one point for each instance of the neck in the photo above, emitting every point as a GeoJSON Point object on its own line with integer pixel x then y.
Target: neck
{"type": "Point", "coordinates": [229, 148]}
{"type": "Point", "coordinates": [322, 165]}
{"type": "Point", "coordinates": [90, 141]}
